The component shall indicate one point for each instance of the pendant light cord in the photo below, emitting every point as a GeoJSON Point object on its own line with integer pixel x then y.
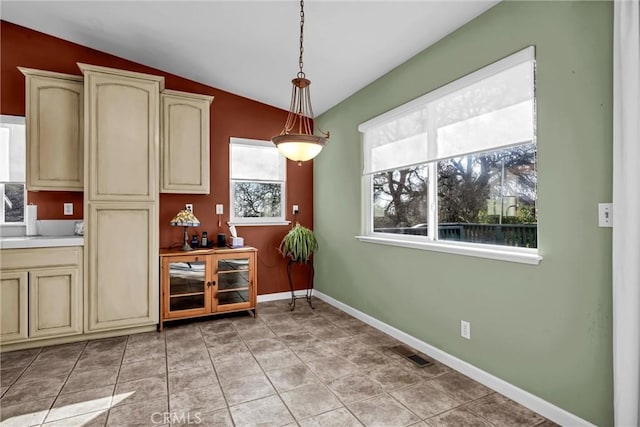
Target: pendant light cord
{"type": "Point", "coordinates": [300, 62]}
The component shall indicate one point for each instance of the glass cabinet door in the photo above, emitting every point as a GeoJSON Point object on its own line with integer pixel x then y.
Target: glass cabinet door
{"type": "Point", "coordinates": [234, 282]}
{"type": "Point", "coordinates": [187, 286]}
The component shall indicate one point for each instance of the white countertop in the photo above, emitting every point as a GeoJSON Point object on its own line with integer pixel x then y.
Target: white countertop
{"type": "Point", "coordinates": [40, 241]}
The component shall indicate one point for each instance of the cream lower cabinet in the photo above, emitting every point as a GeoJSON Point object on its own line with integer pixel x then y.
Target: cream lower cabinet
{"type": "Point", "coordinates": [55, 302]}
{"type": "Point", "coordinates": [14, 304]}
{"type": "Point", "coordinates": [40, 293]}
{"type": "Point", "coordinates": [122, 286]}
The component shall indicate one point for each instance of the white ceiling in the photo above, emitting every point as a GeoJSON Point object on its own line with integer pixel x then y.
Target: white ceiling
{"type": "Point", "coordinates": [250, 48]}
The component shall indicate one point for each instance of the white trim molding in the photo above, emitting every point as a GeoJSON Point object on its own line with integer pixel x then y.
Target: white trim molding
{"type": "Point", "coordinates": [503, 253]}
{"type": "Point", "coordinates": [541, 406]}
{"type": "Point", "coordinates": [274, 297]}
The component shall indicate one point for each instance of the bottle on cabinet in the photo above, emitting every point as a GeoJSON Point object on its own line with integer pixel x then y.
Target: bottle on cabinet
{"type": "Point", "coordinates": [205, 241]}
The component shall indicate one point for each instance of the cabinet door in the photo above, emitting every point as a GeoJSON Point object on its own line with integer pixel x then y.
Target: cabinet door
{"type": "Point", "coordinates": [234, 287]}
{"type": "Point", "coordinates": [186, 283]}
{"type": "Point", "coordinates": [55, 130]}
{"type": "Point", "coordinates": [54, 302]}
{"type": "Point", "coordinates": [122, 276]}
{"type": "Point", "coordinates": [122, 113]}
{"type": "Point", "coordinates": [14, 305]}
{"type": "Point", "coordinates": [185, 143]}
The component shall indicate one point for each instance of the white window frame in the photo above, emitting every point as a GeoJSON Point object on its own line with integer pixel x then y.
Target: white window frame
{"type": "Point", "coordinates": [257, 221]}
{"type": "Point", "coordinates": [17, 120]}
{"type": "Point", "coordinates": [499, 252]}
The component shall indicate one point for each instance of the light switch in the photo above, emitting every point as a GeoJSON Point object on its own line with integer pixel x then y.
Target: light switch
{"type": "Point", "coordinates": [68, 208]}
{"type": "Point", "coordinates": [219, 209]}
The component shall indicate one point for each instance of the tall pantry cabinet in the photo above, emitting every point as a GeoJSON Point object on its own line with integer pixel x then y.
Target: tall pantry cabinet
{"type": "Point", "coordinates": [122, 113]}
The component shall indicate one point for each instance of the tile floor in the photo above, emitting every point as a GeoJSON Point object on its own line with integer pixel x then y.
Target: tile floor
{"type": "Point", "coordinates": [307, 368]}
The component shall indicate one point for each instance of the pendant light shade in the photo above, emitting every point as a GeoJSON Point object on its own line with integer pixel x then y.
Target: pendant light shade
{"type": "Point", "coordinates": [297, 140]}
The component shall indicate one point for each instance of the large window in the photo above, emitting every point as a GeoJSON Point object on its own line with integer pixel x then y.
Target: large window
{"type": "Point", "coordinates": [458, 164]}
{"type": "Point", "coordinates": [12, 170]}
{"type": "Point", "coordinates": [257, 171]}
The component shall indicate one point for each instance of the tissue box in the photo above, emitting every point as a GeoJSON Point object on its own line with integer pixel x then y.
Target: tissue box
{"type": "Point", "coordinates": [236, 242]}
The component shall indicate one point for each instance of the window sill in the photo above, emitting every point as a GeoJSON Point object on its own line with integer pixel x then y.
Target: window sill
{"type": "Point", "coordinates": [519, 255]}
{"type": "Point", "coordinates": [255, 224]}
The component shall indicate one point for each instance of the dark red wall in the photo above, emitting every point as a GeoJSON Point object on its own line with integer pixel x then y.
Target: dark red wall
{"type": "Point", "coordinates": [231, 115]}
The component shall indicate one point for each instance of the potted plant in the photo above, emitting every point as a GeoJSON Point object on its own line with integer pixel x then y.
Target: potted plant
{"type": "Point", "coordinates": [299, 245]}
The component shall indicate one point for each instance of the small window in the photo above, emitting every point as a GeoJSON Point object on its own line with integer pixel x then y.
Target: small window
{"type": "Point", "coordinates": [257, 186]}
{"type": "Point", "coordinates": [12, 170]}
{"type": "Point", "coordinates": [459, 163]}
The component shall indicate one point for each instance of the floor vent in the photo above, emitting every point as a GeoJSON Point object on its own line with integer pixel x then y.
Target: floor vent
{"type": "Point", "coordinates": [417, 359]}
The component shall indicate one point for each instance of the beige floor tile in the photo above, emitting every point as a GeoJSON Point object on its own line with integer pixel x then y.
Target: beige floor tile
{"type": "Point", "coordinates": [82, 402]}
{"type": "Point", "coordinates": [29, 413]}
{"type": "Point", "coordinates": [393, 377]}
{"type": "Point", "coordinates": [277, 359]}
{"type": "Point", "coordinates": [140, 390]}
{"type": "Point", "coordinates": [268, 411]}
{"type": "Point", "coordinates": [329, 368]}
{"type": "Point", "coordinates": [144, 413]}
{"type": "Point", "coordinates": [314, 351]}
{"type": "Point", "coordinates": [382, 410]}
{"type": "Point", "coordinates": [424, 399]}
{"type": "Point", "coordinates": [242, 366]}
{"type": "Point", "coordinates": [144, 351]}
{"type": "Point", "coordinates": [143, 369]}
{"type": "Point", "coordinates": [457, 417]}
{"type": "Point", "coordinates": [310, 400]}
{"type": "Point", "coordinates": [460, 387]}
{"type": "Point", "coordinates": [10, 375]}
{"type": "Point", "coordinates": [291, 377]}
{"type": "Point", "coordinates": [192, 378]}
{"type": "Point", "coordinates": [354, 387]}
{"type": "Point", "coordinates": [33, 390]}
{"type": "Point", "coordinates": [15, 359]}
{"type": "Point", "coordinates": [277, 369]}
{"type": "Point", "coordinates": [44, 370]}
{"type": "Point", "coordinates": [248, 388]}
{"type": "Point", "coordinates": [504, 412]}
{"type": "Point", "coordinates": [84, 380]}
{"type": "Point", "coordinates": [219, 418]}
{"type": "Point", "coordinates": [56, 353]}
{"type": "Point", "coordinates": [92, 419]}
{"type": "Point", "coordinates": [338, 417]}
{"type": "Point", "coordinates": [199, 400]}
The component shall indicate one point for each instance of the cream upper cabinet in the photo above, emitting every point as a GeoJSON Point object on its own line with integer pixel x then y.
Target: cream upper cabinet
{"type": "Point", "coordinates": [14, 306]}
{"type": "Point", "coordinates": [122, 133]}
{"type": "Point", "coordinates": [55, 130]}
{"type": "Point", "coordinates": [185, 142]}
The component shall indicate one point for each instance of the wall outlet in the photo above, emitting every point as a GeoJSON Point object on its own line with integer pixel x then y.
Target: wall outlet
{"type": "Point", "coordinates": [296, 210]}
{"type": "Point", "coordinates": [605, 214]}
{"type": "Point", "coordinates": [68, 208]}
{"type": "Point", "coordinates": [465, 329]}
{"type": "Point", "coordinates": [189, 207]}
{"type": "Point", "coordinates": [219, 209]}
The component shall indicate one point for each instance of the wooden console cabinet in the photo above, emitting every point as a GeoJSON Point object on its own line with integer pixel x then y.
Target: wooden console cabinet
{"type": "Point", "coordinates": [207, 281]}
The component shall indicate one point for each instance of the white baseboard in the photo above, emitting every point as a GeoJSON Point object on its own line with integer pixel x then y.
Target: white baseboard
{"type": "Point", "coordinates": [274, 297]}
{"type": "Point", "coordinates": [541, 406]}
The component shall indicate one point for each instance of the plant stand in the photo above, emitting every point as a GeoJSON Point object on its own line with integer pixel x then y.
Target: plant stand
{"type": "Point", "coordinates": [309, 288]}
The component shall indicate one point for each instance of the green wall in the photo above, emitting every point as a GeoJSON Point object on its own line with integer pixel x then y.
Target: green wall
{"type": "Point", "coordinates": [547, 328]}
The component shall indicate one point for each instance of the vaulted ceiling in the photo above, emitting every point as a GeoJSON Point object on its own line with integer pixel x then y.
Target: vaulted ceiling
{"type": "Point", "coordinates": [250, 48]}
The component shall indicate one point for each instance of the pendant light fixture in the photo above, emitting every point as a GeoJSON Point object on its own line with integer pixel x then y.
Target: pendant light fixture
{"type": "Point", "coordinates": [297, 141]}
